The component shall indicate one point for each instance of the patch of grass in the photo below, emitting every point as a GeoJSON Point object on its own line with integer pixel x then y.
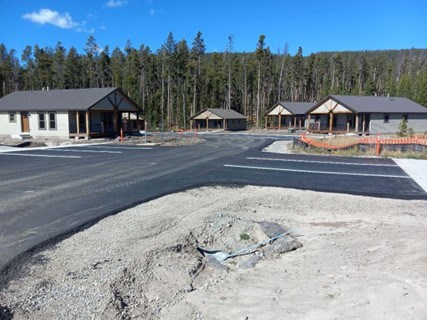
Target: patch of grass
{"type": "Point", "coordinates": [244, 236]}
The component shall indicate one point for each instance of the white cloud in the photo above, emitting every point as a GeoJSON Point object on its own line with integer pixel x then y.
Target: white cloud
{"type": "Point", "coordinates": [63, 21]}
{"type": "Point", "coordinates": [81, 27]}
{"type": "Point", "coordinates": [115, 3]}
{"type": "Point", "coordinates": [152, 12]}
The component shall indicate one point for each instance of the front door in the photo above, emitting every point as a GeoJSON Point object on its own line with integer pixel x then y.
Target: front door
{"type": "Point", "coordinates": [25, 122]}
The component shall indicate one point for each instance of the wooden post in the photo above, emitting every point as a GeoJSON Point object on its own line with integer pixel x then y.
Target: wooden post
{"type": "Point", "coordinates": [299, 121]}
{"type": "Point", "coordinates": [295, 122]}
{"type": "Point", "coordinates": [308, 122]}
{"type": "Point", "coordinates": [280, 120]}
{"type": "Point", "coordinates": [115, 120]}
{"type": "Point", "coordinates": [331, 121]}
{"type": "Point", "coordinates": [266, 121]}
{"type": "Point", "coordinates": [137, 122]}
{"type": "Point", "coordinates": [363, 123]}
{"type": "Point", "coordinates": [356, 125]}
{"type": "Point", "coordinates": [207, 124]}
{"type": "Point", "coordinates": [87, 125]}
{"type": "Point", "coordinates": [224, 124]}
{"type": "Point", "coordinates": [77, 123]}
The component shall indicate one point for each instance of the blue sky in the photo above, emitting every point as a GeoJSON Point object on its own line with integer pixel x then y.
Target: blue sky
{"type": "Point", "coordinates": [328, 25]}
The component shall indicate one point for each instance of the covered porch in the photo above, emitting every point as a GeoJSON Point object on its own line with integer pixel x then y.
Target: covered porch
{"type": "Point", "coordinates": [285, 122]}
{"type": "Point", "coordinates": [286, 115]}
{"type": "Point", "coordinates": [106, 118]}
{"type": "Point", "coordinates": [332, 117]}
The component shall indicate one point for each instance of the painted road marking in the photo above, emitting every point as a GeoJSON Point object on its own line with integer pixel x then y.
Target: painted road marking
{"type": "Point", "coordinates": [327, 162]}
{"type": "Point", "coordinates": [87, 151]}
{"type": "Point", "coordinates": [318, 172]}
{"type": "Point", "coordinates": [125, 148]}
{"type": "Point", "coordinates": [38, 155]}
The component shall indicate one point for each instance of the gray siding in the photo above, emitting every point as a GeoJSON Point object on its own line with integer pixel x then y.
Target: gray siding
{"type": "Point", "coordinates": [418, 123]}
{"type": "Point", "coordinates": [236, 124]}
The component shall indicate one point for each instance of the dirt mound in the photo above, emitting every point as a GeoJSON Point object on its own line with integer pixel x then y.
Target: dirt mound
{"type": "Point", "coordinates": [144, 263]}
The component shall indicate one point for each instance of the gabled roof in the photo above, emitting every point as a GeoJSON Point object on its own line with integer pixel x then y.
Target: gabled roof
{"type": "Point", "coordinates": [294, 107]}
{"type": "Point", "coordinates": [57, 100]}
{"type": "Point", "coordinates": [222, 113]}
{"type": "Point", "coordinates": [372, 104]}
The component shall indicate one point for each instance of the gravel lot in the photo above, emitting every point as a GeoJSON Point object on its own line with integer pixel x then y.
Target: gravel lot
{"type": "Point", "coordinates": [361, 258]}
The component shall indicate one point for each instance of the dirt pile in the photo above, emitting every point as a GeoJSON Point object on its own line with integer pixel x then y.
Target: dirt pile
{"type": "Point", "coordinates": [360, 256]}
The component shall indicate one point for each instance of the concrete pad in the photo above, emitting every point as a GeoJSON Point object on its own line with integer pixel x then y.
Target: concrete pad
{"type": "Point", "coordinates": [416, 169]}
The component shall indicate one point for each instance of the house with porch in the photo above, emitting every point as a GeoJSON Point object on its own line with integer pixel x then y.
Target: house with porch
{"type": "Point", "coordinates": [286, 115]}
{"type": "Point", "coordinates": [222, 119]}
{"type": "Point", "coordinates": [68, 113]}
{"type": "Point", "coordinates": [365, 115]}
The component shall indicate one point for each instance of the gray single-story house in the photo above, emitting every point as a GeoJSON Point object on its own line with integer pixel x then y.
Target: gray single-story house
{"type": "Point", "coordinates": [211, 118]}
{"type": "Point", "coordinates": [286, 115]}
{"type": "Point", "coordinates": [68, 113]}
{"type": "Point", "coordinates": [365, 115]}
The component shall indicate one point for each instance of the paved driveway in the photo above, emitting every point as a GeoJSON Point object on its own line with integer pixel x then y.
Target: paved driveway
{"type": "Point", "coordinates": [46, 194]}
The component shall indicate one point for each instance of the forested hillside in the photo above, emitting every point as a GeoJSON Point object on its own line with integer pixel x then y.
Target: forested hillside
{"type": "Point", "coordinates": [180, 79]}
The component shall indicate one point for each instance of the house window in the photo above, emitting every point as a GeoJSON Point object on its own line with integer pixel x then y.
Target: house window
{"type": "Point", "coordinates": [12, 117]}
{"type": "Point", "coordinates": [42, 121]}
{"type": "Point", "coordinates": [405, 117]}
{"type": "Point", "coordinates": [386, 118]}
{"type": "Point", "coordinates": [52, 120]}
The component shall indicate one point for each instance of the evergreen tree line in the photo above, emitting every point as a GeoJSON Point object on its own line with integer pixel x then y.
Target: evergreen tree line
{"type": "Point", "coordinates": [178, 80]}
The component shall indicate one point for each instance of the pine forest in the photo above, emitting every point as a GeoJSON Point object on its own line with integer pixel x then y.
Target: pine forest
{"type": "Point", "coordinates": [179, 79]}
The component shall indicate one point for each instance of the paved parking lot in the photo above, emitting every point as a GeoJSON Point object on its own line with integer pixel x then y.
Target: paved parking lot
{"type": "Point", "coordinates": [48, 192]}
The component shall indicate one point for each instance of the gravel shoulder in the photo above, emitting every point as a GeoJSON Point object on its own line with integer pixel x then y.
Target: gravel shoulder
{"type": "Point", "coordinates": [361, 258]}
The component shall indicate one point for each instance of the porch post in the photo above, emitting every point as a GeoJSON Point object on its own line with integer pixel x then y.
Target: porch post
{"type": "Point", "coordinates": [331, 120]}
{"type": "Point", "coordinates": [224, 124]}
{"type": "Point", "coordinates": [363, 123]}
{"type": "Point", "coordinates": [280, 120]}
{"type": "Point", "coordinates": [115, 120]}
{"type": "Point", "coordinates": [78, 123]}
{"type": "Point", "coordinates": [356, 124]}
{"type": "Point", "coordinates": [207, 124]}
{"type": "Point", "coordinates": [295, 121]}
{"type": "Point", "coordinates": [299, 121]}
{"type": "Point", "coordinates": [87, 125]}
{"type": "Point", "coordinates": [137, 121]}
{"type": "Point", "coordinates": [307, 125]}
{"type": "Point", "coordinates": [266, 121]}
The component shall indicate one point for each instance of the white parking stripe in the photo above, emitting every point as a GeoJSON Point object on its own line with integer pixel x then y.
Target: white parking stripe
{"type": "Point", "coordinates": [327, 162]}
{"type": "Point", "coordinates": [38, 155]}
{"type": "Point", "coordinates": [82, 151]}
{"type": "Point", "coordinates": [318, 172]}
{"type": "Point", "coordinates": [126, 148]}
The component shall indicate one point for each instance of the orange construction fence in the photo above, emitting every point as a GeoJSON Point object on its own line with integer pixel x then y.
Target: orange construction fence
{"type": "Point", "coordinates": [373, 140]}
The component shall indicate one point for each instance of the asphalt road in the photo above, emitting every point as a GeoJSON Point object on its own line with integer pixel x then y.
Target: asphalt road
{"type": "Point", "coordinates": [48, 194]}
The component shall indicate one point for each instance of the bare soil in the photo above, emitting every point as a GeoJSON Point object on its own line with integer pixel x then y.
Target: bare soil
{"type": "Point", "coordinates": [361, 258]}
